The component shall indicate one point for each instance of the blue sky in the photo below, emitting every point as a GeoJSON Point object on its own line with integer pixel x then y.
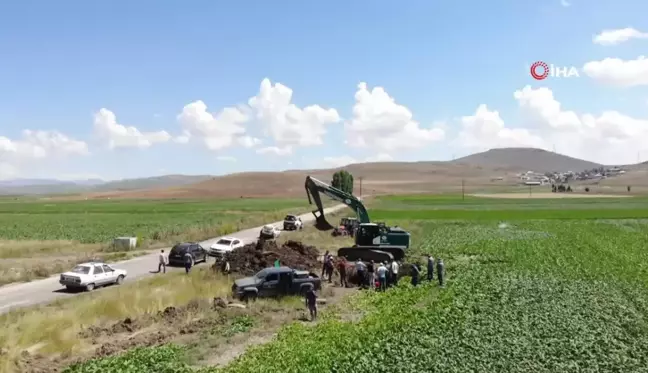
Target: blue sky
{"type": "Point", "coordinates": [145, 60]}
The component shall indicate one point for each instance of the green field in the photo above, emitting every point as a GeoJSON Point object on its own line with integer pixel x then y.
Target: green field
{"type": "Point", "coordinates": [101, 221]}
{"type": "Point", "coordinates": [533, 294]}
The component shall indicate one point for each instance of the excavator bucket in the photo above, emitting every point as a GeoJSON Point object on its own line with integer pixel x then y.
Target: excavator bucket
{"type": "Point", "coordinates": [313, 196]}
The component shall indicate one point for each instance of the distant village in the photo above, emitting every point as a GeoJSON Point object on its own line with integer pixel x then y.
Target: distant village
{"type": "Point", "coordinates": [595, 174]}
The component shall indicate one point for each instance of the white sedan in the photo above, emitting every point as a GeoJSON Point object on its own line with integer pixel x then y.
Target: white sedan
{"type": "Point", "coordinates": [225, 245]}
{"type": "Point", "coordinates": [90, 275]}
{"type": "Point", "coordinates": [269, 232]}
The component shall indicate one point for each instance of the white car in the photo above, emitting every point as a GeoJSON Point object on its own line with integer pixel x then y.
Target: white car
{"type": "Point", "coordinates": [88, 276]}
{"type": "Point", "coordinates": [225, 245]}
{"type": "Point", "coordinates": [269, 232]}
{"type": "Point", "coordinates": [292, 222]}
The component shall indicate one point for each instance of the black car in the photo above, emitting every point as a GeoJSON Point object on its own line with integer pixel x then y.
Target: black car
{"type": "Point", "coordinates": [197, 252]}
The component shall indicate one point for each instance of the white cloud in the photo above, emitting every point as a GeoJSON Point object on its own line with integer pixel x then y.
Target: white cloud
{"type": "Point", "coordinates": [116, 135]}
{"type": "Point", "coordinates": [249, 141]}
{"type": "Point", "coordinates": [35, 147]}
{"type": "Point", "coordinates": [286, 123]}
{"type": "Point", "coordinates": [347, 160]}
{"type": "Point", "coordinates": [618, 72]}
{"type": "Point", "coordinates": [216, 131]}
{"type": "Point", "coordinates": [609, 137]}
{"type": "Point", "coordinates": [224, 158]}
{"type": "Point", "coordinates": [618, 36]}
{"type": "Point", "coordinates": [380, 123]}
{"type": "Point", "coordinates": [184, 138]}
{"type": "Point", "coordinates": [274, 150]}
{"type": "Point", "coordinates": [486, 129]}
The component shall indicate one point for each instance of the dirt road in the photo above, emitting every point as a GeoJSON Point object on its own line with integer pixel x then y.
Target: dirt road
{"type": "Point", "coordinates": [42, 291]}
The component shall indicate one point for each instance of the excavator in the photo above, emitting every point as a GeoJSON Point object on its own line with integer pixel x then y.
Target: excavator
{"type": "Point", "coordinates": [373, 241]}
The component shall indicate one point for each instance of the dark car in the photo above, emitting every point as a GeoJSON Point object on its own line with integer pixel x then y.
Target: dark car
{"type": "Point", "coordinates": [197, 252]}
{"type": "Point", "coordinates": [275, 282]}
{"type": "Point", "coordinates": [292, 223]}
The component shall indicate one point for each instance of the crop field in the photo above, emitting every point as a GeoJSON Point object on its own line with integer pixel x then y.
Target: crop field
{"type": "Point", "coordinates": [42, 237]}
{"type": "Point", "coordinates": [100, 221]}
{"type": "Point", "coordinates": [523, 295]}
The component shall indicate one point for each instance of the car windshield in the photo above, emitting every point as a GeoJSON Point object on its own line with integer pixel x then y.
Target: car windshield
{"type": "Point", "coordinates": [290, 218]}
{"type": "Point", "coordinates": [84, 270]}
{"type": "Point", "coordinates": [262, 273]}
{"type": "Point", "coordinates": [223, 242]}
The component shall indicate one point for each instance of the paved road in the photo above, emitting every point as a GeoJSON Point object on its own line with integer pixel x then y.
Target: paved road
{"type": "Point", "coordinates": [42, 291]}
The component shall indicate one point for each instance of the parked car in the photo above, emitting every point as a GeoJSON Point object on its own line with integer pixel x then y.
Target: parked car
{"type": "Point", "coordinates": [269, 232]}
{"type": "Point", "coordinates": [292, 223]}
{"type": "Point", "coordinates": [91, 275]}
{"type": "Point", "coordinates": [275, 282]}
{"type": "Point", "coordinates": [177, 253]}
{"type": "Point", "coordinates": [225, 245]}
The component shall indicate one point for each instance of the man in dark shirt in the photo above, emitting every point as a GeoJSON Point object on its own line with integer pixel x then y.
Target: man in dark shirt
{"type": "Point", "coordinates": [415, 274]}
{"type": "Point", "coordinates": [342, 270]}
{"type": "Point", "coordinates": [311, 303]}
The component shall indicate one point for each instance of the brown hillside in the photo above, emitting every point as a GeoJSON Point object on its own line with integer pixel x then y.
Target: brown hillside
{"type": "Point", "coordinates": [378, 178]}
{"type": "Point", "coordinates": [493, 170]}
{"type": "Point", "coordinates": [527, 159]}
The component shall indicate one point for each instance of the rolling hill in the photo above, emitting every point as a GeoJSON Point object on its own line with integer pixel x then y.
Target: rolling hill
{"type": "Point", "coordinates": [496, 168]}
{"type": "Point", "coordinates": [527, 159]}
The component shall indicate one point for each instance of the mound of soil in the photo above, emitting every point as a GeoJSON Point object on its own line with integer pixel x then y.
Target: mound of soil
{"type": "Point", "coordinates": [252, 258]}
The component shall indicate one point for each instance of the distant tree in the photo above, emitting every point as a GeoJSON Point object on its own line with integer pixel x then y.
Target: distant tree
{"type": "Point", "coordinates": [343, 180]}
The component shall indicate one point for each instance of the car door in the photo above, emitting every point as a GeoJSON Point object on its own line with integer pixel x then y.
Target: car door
{"type": "Point", "coordinates": [236, 244]}
{"type": "Point", "coordinates": [109, 273]}
{"type": "Point", "coordinates": [202, 253]}
{"type": "Point", "coordinates": [98, 275]}
{"type": "Point", "coordinates": [269, 286]}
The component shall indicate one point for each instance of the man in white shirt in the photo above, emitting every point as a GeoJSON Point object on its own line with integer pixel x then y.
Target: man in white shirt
{"type": "Point", "coordinates": [394, 272]}
{"type": "Point", "coordinates": [163, 262]}
{"type": "Point", "coordinates": [382, 276]}
{"type": "Point", "coordinates": [361, 270]}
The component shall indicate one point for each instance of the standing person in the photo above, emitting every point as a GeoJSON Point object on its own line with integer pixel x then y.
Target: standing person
{"type": "Point", "coordinates": [415, 274]}
{"type": "Point", "coordinates": [382, 276]}
{"type": "Point", "coordinates": [188, 262]}
{"type": "Point", "coordinates": [430, 268]}
{"type": "Point", "coordinates": [361, 271]}
{"type": "Point", "coordinates": [326, 255]}
{"type": "Point", "coordinates": [163, 262]}
{"type": "Point", "coordinates": [329, 268]}
{"type": "Point", "coordinates": [440, 271]}
{"type": "Point", "coordinates": [311, 303]}
{"type": "Point", "coordinates": [394, 272]}
{"type": "Point", "coordinates": [225, 266]}
{"type": "Point", "coordinates": [371, 268]}
{"type": "Point", "coordinates": [342, 270]}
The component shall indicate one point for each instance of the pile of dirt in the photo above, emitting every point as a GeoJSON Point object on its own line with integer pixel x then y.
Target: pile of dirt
{"type": "Point", "coordinates": [252, 258]}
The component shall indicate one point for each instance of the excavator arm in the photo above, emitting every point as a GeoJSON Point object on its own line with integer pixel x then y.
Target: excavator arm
{"type": "Point", "coordinates": [313, 189]}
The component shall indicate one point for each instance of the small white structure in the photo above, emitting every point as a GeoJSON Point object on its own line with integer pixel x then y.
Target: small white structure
{"type": "Point", "coordinates": [125, 243]}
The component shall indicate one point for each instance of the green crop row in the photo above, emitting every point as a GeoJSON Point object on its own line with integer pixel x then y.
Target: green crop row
{"type": "Point", "coordinates": [100, 222]}
{"type": "Point", "coordinates": [532, 296]}
{"type": "Point", "coordinates": [512, 214]}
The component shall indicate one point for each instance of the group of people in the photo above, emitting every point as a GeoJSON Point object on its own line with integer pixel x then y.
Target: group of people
{"type": "Point", "coordinates": [440, 271]}
{"type": "Point", "coordinates": [380, 275]}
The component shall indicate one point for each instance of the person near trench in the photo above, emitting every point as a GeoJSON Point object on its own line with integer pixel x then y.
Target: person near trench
{"type": "Point", "coordinates": [440, 267]}
{"type": "Point", "coordinates": [188, 262]}
{"type": "Point", "coordinates": [430, 268]}
{"type": "Point", "coordinates": [326, 255]}
{"type": "Point", "coordinates": [361, 272]}
{"type": "Point", "coordinates": [329, 268]}
{"type": "Point", "coordinates": [341, 266]}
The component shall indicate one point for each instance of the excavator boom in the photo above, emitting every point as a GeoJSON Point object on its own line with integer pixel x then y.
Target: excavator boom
{"type": "Point", "coordinates": [313, 189]}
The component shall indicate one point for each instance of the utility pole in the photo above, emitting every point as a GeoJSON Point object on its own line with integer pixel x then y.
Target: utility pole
{"type": "Point", "coordinates": [529, 190]}
{"type": "Point", "coordinates": [360, 178]}
{"type": "Point", "coordinates": [463, 190]}
{"type": "Point", "coordinates": [554, 148]}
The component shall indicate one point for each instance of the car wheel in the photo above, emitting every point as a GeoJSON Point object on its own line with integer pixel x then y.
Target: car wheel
{"type": "Point", "coordinates": [120, 280]}
{"type": "Point", "coordinates": [249, 296]}
{"type": "Point", "coordinates": [90, 287]}
{"type": "Point", "coordinates": [68, 287]}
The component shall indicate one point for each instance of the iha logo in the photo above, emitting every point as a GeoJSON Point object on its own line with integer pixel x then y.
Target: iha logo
{"type": "Point", "coordinates": [540, 70]}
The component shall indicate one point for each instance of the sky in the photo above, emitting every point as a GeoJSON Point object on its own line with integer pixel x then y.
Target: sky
{"type": "Point", "coordinates": [123, 89]}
